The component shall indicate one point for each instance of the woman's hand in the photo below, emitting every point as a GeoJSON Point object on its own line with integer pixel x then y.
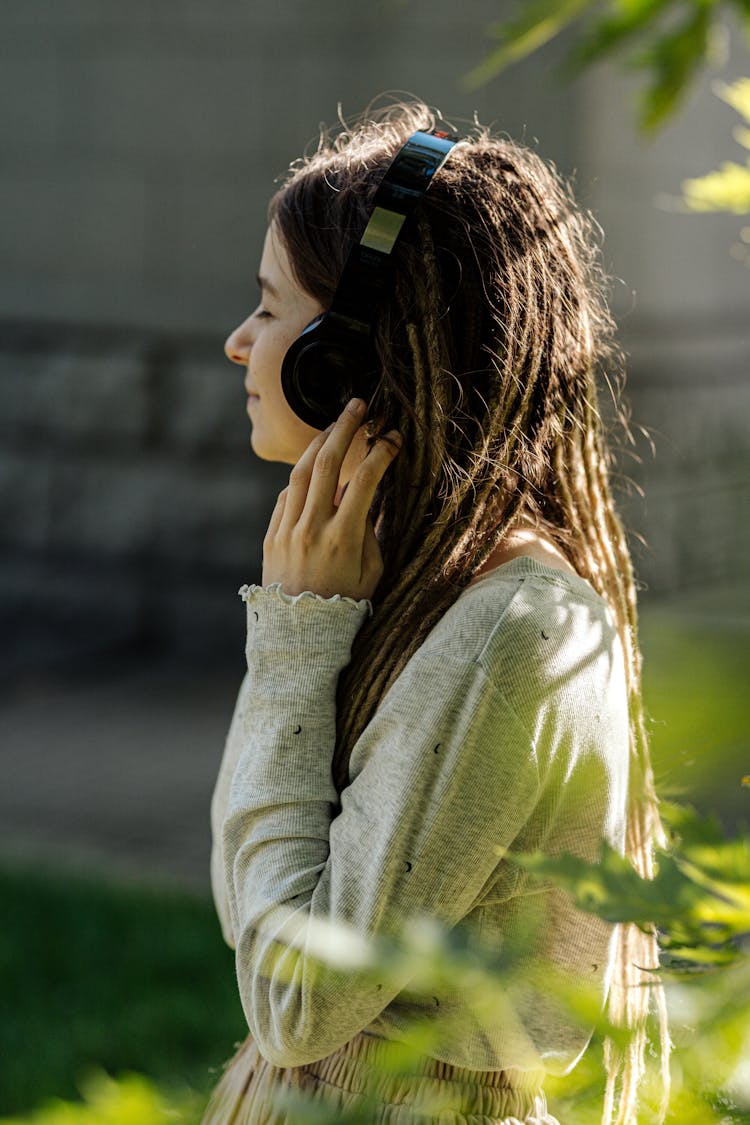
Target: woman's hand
{"type": "Point", "coordinates": [313, 544]}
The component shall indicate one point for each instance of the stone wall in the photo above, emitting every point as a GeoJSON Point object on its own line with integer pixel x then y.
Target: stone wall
{"type": "Point", "coordinates": [691, 525]}
{"type": "Point", "coordinates": [132, 507]}
{"type": "Point", "coordinates": [141, 143]}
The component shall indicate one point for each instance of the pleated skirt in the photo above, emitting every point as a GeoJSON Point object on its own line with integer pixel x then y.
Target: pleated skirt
{"type": "Point", "coordinates": [251, 1091]}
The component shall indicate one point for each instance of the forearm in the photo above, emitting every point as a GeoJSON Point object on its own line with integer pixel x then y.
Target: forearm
{"type": "Point", "coordinates": [281, 799]}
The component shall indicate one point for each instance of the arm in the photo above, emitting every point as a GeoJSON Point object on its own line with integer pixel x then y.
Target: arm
{"type": "Point", "coordinates": [441, 775]}
{"type": "Point", "coordinates": [219, 798]}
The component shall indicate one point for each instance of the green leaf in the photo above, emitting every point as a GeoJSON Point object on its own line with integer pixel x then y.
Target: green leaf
{"type": "Point", "coordinates": [737, 95]}
{"type": "Point", "coordinates": [674, 58]}
{"type": "Point", "coordinates": [699, 898]}
{"type": "Point", "coordinates": [691, 959]}
{"type": "Point", "coordinates": [536, 23]}
{"type": "Point", "coordinates": [613, 889]}
{"type": "Point", "coordinates": [609, 33]}
{"type": "Point", "coordinates": [727, 189]}
{"type": "Point", "coordinates": [686, 826]}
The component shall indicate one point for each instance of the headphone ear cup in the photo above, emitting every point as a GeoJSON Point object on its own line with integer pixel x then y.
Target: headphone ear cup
{"type": "Point", "coordinates": [334, 360]}
{"type": "Point", "coordinates": [321, 372]}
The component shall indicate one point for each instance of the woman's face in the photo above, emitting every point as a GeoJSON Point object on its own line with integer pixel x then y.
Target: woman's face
{"type": "Point", "coordinates": [260, 343]}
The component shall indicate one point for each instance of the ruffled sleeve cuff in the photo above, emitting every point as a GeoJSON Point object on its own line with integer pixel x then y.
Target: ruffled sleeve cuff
{"type": "Point", "coordinates": [246, 592]}
{"type": "Point", "coordinates": [297, 644]}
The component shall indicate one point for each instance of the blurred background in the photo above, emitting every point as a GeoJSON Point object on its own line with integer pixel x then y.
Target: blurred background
{"type": "Point", "coordinates": [140, 143]}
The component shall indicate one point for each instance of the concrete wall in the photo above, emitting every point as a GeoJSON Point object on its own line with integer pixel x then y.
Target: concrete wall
{"type": "Point", "coordinates": [682, 302]}
{"type": "Point", "coordinates": [143, 139]}
{"type": "Point", "coordinates": [141, 145]}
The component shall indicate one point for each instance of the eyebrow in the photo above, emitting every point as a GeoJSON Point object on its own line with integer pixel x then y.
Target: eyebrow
{"type": "Point", "coordinates": [264, 283]}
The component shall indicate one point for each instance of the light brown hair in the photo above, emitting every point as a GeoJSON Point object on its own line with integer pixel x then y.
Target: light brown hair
{"type": "Point", "coordinates": [492, 339]}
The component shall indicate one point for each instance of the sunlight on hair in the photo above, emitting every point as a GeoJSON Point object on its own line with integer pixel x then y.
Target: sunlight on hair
{"type": "Point", "coordinates": [492, 346]}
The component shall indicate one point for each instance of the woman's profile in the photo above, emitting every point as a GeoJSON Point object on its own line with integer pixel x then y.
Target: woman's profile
{"type": "Point", "coordinates": [442, 656]}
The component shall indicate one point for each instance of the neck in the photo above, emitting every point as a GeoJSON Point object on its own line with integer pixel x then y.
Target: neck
{"type": "Point", "coordinates": [525, 539]}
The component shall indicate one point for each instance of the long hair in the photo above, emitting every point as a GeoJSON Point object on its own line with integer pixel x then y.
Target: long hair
{"type": "Point", "coordinates": [491, 341]}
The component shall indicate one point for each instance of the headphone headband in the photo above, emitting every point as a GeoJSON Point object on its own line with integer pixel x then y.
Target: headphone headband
{"type": "Point", "coordinates": [407, 178]}
{"type": "Point", "coordinates": [333, 359]}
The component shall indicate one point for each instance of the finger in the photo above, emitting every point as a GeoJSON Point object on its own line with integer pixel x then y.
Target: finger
{"type": "Point", "coordinates": [357, 500]}
{"type": "Point", "coordinates": [299, 478]}
{"type": "Point", "coordinates": [276, 515]}
{"type": "Point", "coordinates": [372, 557]}
{"type": "Point", "coordinates": [327, 468]}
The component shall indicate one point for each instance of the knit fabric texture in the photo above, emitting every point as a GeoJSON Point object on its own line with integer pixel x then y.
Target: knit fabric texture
{"type": "Point", "coordinates": [507, 731]}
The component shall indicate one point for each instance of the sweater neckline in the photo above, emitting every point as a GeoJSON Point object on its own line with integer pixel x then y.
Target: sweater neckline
{"type": "Point", "coordinates": [526, 564]}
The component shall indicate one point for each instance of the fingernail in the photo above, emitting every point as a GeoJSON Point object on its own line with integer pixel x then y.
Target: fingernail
{"type": "Point", "coordinates": [394, 435]}
{"type": "Point", "coordinates": [357, 405]}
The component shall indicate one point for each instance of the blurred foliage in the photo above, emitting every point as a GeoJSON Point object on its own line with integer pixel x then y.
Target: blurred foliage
{"type": "Point", "coordinates": [699, 898]}
{"type": "Point", "coordinates": [129, 979]}
{"type": "Point", "coordinates": [728, 188]}
{"type": "Point", "coordinates": [130, 1100]}
{"type": "Point", "coordinates": [695, 695]}
{"type": "Point", "coordinates": [674, 38]}
{"type": "Point", "coordinates": [700, 902]}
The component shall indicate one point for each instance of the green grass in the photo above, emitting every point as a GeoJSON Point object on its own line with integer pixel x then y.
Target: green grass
{"type": "Point", "coordinates": [119, 977]}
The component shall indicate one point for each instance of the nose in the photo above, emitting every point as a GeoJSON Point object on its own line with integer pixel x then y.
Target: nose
{"type": "Point", "coordinates": [238, 343]}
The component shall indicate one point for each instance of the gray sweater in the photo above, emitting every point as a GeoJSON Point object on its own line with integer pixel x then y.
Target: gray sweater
{"type": "Point", "coordinates": [507, 730]}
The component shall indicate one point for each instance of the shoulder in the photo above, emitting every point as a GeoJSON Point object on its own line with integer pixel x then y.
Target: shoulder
{"type": "Point", "coordinates": [545, 639]}
{"type": "Point", "coordinates": [555, 623]}
{"type": "Point", "coordinates": [464, 629]}
{"type": "Point", "coordinates": [524, 610]}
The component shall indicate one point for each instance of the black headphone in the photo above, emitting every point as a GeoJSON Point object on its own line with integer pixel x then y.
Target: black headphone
{"type": "Point", "coordinates": [333, 359]}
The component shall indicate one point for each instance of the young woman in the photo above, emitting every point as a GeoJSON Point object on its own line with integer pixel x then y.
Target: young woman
{"type": "Point", "coordinates": [443, 663]}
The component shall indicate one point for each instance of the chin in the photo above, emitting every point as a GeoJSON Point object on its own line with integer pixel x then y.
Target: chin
{"type": "Point", "coordinates": [267, 451]}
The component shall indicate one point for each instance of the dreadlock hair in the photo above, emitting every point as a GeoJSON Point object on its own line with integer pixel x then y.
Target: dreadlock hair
{"type": "Point", "coordinates": [491, 339]}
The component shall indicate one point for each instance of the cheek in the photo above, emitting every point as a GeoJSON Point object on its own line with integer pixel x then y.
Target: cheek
{"type": "Point", "coordinates": [302, 432]}
{"type": "Point", "coordinates": [270, 350]}
{"type": "Point", "coordinates": [270, 353]}
{"type": "Point", "coordinates": [274, 416]}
